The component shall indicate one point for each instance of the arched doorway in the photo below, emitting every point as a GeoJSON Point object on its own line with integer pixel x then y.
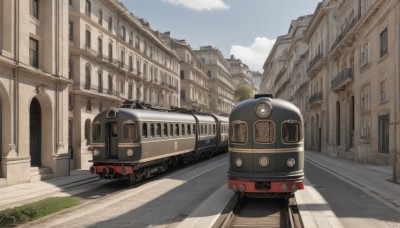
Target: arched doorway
{"type": "Point", "coordinates": [35, 130]}
{"type": "Point", "coordinates": [318, 131]}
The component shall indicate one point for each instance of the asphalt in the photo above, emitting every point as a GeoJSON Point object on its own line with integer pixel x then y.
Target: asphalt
{"type": "Point", "coordinates": [372, 179]}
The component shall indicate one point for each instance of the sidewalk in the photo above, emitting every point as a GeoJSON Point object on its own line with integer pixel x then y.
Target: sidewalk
{"type": "Point", "coordinates": [374, 180]}
{"type": "Point", "coordinates": [16, 195]}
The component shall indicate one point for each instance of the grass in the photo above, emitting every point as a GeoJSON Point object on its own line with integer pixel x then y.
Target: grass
{"type": "Point", "coordinates": [32, 211]}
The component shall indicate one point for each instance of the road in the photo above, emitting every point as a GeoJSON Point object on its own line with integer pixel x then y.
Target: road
{"type": "Point", "coordinates": [168, 201]}
{"type": "Point", "coordinates": [352, 206]}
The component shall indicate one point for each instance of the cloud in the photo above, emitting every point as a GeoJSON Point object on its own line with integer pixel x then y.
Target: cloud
{"type": "Point", "coordinates": [200, 5]}
{"type": "Point", "coordinates": [255, 55]}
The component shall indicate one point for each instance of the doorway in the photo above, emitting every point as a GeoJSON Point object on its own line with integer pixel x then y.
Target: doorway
{"type": "Point", "coordinates": [35, 130]}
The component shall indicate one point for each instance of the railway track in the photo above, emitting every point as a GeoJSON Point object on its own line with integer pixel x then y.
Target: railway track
{"type": "Point", "coordinates": [260, 212]}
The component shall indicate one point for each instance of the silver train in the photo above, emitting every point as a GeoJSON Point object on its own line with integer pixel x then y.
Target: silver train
{"type": "Point", "coordinates": [135, 141]}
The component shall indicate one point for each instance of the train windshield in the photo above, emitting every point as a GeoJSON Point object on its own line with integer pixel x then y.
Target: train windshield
{"type": "Point", "coordinates": [290, 132]}
{"type": "Point", "coordinates": [264, 132]}
{"type": "Point", "coordinates": [238, 132]}
{"type": "Point", "coordinates": [96, 131]}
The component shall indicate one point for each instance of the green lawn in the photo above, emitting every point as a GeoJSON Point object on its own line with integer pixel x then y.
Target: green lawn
{"type": "Point", "coordinates": [32, 211]}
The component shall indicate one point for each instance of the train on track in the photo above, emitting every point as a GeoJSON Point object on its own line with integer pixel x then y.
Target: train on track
{"type": "Point", "coordinates": [266, 147]}
{"type": "Point", "coordinates": [137, 141]}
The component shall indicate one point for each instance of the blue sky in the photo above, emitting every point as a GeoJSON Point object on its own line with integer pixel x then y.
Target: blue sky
{"type": "Point", "coordinates": [244, 28]}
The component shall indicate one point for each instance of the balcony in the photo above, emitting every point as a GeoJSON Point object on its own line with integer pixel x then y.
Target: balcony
{"type": "Point", "coordinates": [91, 51]}
{"type": "Point", "coordinates": [279, 75]}
{"type": "Point", "coordinates": [315, 99]}
{"type": "Point", "coordinates": [316, 64]}
{"type": "Point", "coordinates": [345, 77]}
{"type": "Point", "coordinates": [301, 87]}
{"type": "Point", "coordinates": [346, 30]}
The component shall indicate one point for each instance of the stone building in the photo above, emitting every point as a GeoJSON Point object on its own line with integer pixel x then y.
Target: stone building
{"type": "Point", "coordinates": [113, 56]}
{"type": "Point", "coordinates": [195, 91]}
{"type": "Point", "coordinates": [33, 90]}
{"type": "Point", "coordinates": [220, 82]}
{"type": "Point", "coordinates": [241, 74]}
{"type": "Point", "coordinates": [257, 77]}
{"type": "Point", "coordinates": [353, 71]}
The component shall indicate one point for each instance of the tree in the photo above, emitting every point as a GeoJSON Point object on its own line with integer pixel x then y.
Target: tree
{"type": "Point", "coordinates": [243, 92]}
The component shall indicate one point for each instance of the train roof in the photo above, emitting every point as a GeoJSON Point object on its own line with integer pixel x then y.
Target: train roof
{"type": "Point", "coordinates": [151, 115]}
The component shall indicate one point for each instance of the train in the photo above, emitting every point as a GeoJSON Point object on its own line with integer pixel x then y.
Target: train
{"type": "Point", "coordinates": [137, 141]}
{"type": "Point", "coordinates": [266, 147]}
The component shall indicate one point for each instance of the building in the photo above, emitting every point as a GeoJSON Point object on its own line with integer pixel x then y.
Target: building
{"type": "Point", "coordinates": [240, 73]}
{"type": "Point", "coordinates": [352, 65]}
{"type": "Point", "coordinates": [113, 56]}
{"type": "Point", "coordinates": [220, 82]}
{"type": "Point", "coordinates": [33, 90]}
{"type": "Point", "coordinates": [195, 91]}
{"type": "Point", "coordinates": [257, 77]}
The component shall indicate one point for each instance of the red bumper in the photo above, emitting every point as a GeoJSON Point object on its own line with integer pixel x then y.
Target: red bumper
{"type": "Point", "coordinates": [276, 187]}
{"type": "Point", "coordinates": [108, 169]}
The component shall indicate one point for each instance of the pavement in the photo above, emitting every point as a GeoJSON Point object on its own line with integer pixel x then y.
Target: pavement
{"type": "Point", "coordinates": [373, 180]}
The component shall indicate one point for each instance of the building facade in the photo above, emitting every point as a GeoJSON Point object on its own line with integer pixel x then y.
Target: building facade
{"type": "Point", "coordinates": [241, 74]}
{"type": "Point", "coordinates": [220, 80]}
{"type": "Point", "coordinates": [352, 65]}
{"type": "Point", "coordinates": [113, 56]}
{"type": "Point", "coordinates": [194, 90]}
{"type": "Point", "coordinates": [33, 90]}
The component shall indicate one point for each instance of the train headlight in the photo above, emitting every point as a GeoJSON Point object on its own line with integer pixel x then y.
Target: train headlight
{"type": "Point", "coordinates": [129, 152]}
{"type": "Point", "coordinates": [263, 161]}
{"type": "Point", "coordinates": [96, 152]}
{"type": "Point", "coordinates": [263, 109]}
{"type": "Point", "coordinates": [290, 162]}
{"type": "Point", "coordinates": [238, 162]}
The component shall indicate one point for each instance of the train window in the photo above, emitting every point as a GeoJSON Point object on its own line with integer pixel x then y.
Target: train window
{"type": "Point", "coordinates": [238, 133]}
{"type": "Point", "coordinates": [188, 129]}
{"type": "Point", "coordinates": [183, 129]}
{"type": "Point", "coordinates": [214, 129]}
{"type": "Point", "coordinates": [290, 132]}
{"type": "Point", "coordinates": [144, 130]}
{"type": "Point", "coordinates": [171, 130]}
{"type": "Point", "coordinates": [194, 129]}
{"type": "Point", "coordinates": [264, 132]}
{"type": "Point", "coordinates": [177, 129]}
{"type": "Point", "coordinates": [129, 131]}
{"type": "Point", "coordinates": [158, 130]}
{"type": "Point", "coordinates": [165, 130]}
{"type": "Point", "coordinates": [201, 130]}
{"type": "Point", "coordinates": [114, 129]}
{"type": "Point", "coordinates": [96, 131]}
{"type": "Point", "coordinates": [152, 130]}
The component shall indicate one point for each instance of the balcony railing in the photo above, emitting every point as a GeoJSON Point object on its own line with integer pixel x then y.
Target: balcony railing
{"type": "Point", "coordinates": [280, 74]}
{"type": "Point", "coordinates": [314, 61]}
{"type": "Point", "coordinates": [91, 51]}
{"type": "Point", "coordinates": [302, 86]}
{"type": "Point", "coordinates": [342, 79]}
{"type": "Point", "coordinates": [316, 98]}
{"type": "Point", "coordinates": [345, 31]}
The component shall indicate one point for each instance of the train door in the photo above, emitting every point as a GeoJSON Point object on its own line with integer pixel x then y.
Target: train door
{"type": "Point", "coordinates": [112, 140]}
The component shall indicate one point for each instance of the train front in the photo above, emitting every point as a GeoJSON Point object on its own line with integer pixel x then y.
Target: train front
{"type": "Point", "coordinates": [266, 147]}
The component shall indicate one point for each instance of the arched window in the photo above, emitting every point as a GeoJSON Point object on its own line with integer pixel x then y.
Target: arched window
{"type": "Point", "coordinates": [110, 52]}
{"type": "Point", "coordinates": [123, 33]}
{"type": "Point", "coordinates": [87, 131]}
{"type": "Point", "coordinates": [87, 8]}
{"type": "Point", "coordinates": [88, 105]}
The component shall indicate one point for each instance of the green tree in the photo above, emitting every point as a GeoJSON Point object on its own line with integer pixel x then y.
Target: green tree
{"type": "Point", "coordinates": [243, 92]}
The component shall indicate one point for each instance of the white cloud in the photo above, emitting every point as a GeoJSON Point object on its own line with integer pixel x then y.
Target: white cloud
{"type": "Point", "coordinates": [200, 5]}
{"type": "Point", "coordinates": [255, 55]}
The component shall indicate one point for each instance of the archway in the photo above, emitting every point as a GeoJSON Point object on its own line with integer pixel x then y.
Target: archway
{"type": "Point", "coordinates": [337, 123]}
{"type": "Point", "coordinates": [35, 130]}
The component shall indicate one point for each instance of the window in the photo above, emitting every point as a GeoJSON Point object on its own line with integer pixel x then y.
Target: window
{"type": "Point", "coordinates": [365, 54]}
{"type": "Point", "coordinates": [130, 88]}
{"type": "Point", "coordinates": [182, 129]}
{"type": "Point", "coordinates": [291, 132]}
{"type": "Point", "coordinates": [87, 76]}
{"type": "Point", "coordinates": [171, 130]}
{"type": "Point", "coordinates": [209, 74]}
{"type": "Point", "coordinates": [177, 129]}
{"type": "Point", "coordinates": [70, 68]}
{"type": "Point", "coordinates": [165, 132]}
{"type": "Point", "coordinates": [130, 63]}
{"type": "Point", "coordinates": [33, 52]}
{"type": "Point", "coordinates": [238, 132]}
{"type": "Point", "coordinates": [158, 130]}
{"type": "Point", "coordinates": [110, 24]}
{"type": "Point", "coordinates": [100, 79]}
{"type": "Point", "coordinates": [96, 131]}
{"type": "Point", "coordinates": [87, 8]}
{"type": "Point", "coordinates": [71, 31]}
{"type": "Point", "coordinates": [123, 33]}
{"type": "Point", "coordinates": [383, 42]}
{"type": "Point", "coordinates": [152, 130]}
{"type": "Point", "coordinates": [88, 105]}
{"type": "Point", "coordinates": [382, 88]}
{"type": "Point", "coordinates": [87, 40]}
{"type": "Point", "coordinates": [110, 52]}
{"type": "Point", "coordinates": [131, 38]}
{"type": "Point", "coordinates": [129, 131]}
{"type": "Point", "coordinates": [35, 8]}
{"type": "Point", "coordinates": [182, 74]}
{"type": "Point", "coordinates": [110, 84]}
{"type": "Point", "coordinates": [100, 46]}
{"type": "Point", "coordinates": [137, 43]}
{"type": "Point", "coordinates": [366, 112]}
{"type": "Point", "coordinates": [70, 2]}
{"type": "Point", "coordinates": [144, 130]}
{"type": "Point", "coordinates": [264, 132]}
{"type": "Point", "coordinates": [122, 87]}
{"type": "Point", "coordinates": [100, 17]}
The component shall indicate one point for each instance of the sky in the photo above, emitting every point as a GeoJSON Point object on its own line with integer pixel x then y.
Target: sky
{"type": "Point", "coordinates": [246, 29]}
